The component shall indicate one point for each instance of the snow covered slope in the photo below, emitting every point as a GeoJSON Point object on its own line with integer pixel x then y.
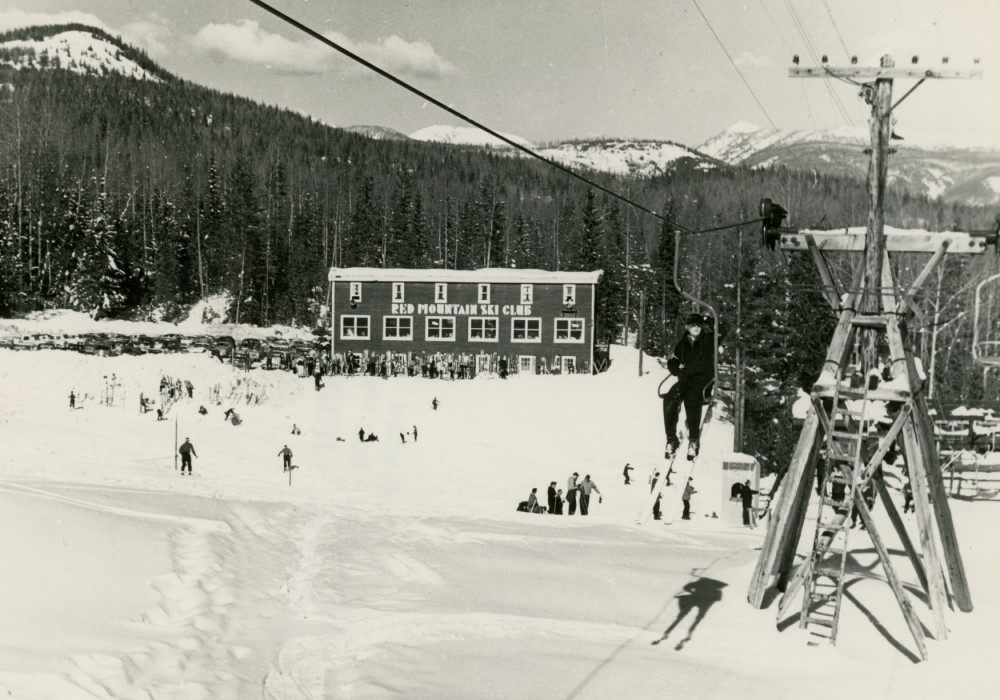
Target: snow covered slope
{"type": "Point", "coordinates": [78, 51]}
{"type": "Point", "coordinates": [634, 157]}
{"type": "Point", "coordinates": [392, 569]}
{"type": "Point", "coordinates": [464, 136]}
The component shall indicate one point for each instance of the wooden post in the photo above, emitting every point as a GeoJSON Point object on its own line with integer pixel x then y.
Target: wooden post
{"type": "Point", "coordinates": [642, 319]}
{"type": "Point", "coordinates": [779, 530]}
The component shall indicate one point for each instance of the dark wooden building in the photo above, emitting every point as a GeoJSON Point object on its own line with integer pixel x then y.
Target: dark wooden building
{"type": "Point", "coordinates": [489, 320]}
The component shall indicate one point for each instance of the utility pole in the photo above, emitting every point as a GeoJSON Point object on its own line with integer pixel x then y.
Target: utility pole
{"type": "Point", "coordinates": [642, 320]}
{"type": "Point", "coordinates": [877, 92]}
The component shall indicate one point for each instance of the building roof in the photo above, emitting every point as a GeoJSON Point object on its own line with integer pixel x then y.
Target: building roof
{"type": "Point", "coordinates": [495, 275]}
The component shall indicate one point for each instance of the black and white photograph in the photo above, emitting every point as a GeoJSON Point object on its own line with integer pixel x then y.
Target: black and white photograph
{"type": "Point", "coordinates": [574, 349]}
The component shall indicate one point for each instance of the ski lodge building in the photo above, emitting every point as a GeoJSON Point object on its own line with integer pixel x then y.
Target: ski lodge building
{"type": "Point", "coordinates": [496, 320]}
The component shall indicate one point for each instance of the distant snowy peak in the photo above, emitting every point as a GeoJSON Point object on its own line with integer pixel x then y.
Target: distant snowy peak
{"type": "Point", "coordinates": [633, 157]}
{"type": "Point", "coordinates": [379, 133]}
{"type": "Point", "coordinates": [742, 141]}
{"type": "Point", "coordinates": [79, 51]}
{"type": "Point", "coordinates": [465, 136]}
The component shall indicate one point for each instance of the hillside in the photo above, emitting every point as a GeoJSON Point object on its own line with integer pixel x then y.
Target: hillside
{"type": "Point", "coordinates": [76, 48]}
{"type": "Point", "coordinates": [954, 168]}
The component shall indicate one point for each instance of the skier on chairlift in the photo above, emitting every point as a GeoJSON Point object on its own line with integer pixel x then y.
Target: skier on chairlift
{"type": "Point", "coordinates": [693, 363]}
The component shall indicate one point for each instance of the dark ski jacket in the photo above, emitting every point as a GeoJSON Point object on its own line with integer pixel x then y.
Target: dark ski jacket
{"type": "Point", "coordinates": [693, 358]}
{"type": "Point", "coordinates": [746, 495]}
{"type": "Point", "coordinates": [186, 448]}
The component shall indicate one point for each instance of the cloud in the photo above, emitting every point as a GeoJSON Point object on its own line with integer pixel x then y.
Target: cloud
{"type": "Point", "coordinates": [149, 34]}
{"type": "Point", "coordinates": [146, 34]}
{"type": "Point", "coordinates": [749, 60]}
{"type": "Point", "coordinates": [246, 42]}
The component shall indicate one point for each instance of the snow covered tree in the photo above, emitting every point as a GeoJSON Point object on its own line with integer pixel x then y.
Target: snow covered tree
{"type": "Point", "coordinates": [97, 283]}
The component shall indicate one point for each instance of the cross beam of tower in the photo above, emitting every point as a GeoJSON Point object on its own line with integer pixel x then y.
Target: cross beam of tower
{"type": "Point", "coordinates": [875, 311]}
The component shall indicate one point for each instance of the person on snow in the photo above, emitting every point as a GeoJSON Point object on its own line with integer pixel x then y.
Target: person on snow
{"type": "Point", "coordinates": [286, 457]}
{"type": "Point", "coordinates": [295, 430]}
{"type": "Point", "coordinates": [628, 479]}
{"type": "Point", "coordinates": [652, 487]}
{"type": "Point", "coordinates": [202, 410]}
{"type": "Point", "coordinates": [559, 502]}
{"type": "Point", "coordinates": [318, 379]}
{"type": "Point", "coordinates": [361, 434]}
{"type": "Point", "coordinates": [552, 498]}
{"type": "Point", "coordinates": [693, 363]}
{"type": "Point", "coordinates": [402, 438]}
{"type": "Point", "coordinates": [533, 501]}
{"type": "Point", "coordinates": [414, 433]}
{"type": "Point", "coordinates": [907, 497]}
{"type": "Point", "coordinates": [746, 496]}
{"type": "Point", "coordinates": [186, 450]}
{"type": "Point", "coordinates": [586, 486]}
{"type": "Point", "coordinates": [72, 399]}
{"type": "Point", "coordinates": [434, 403]}
{"type": "Point", "coordinates": [571, 489]}
{"type": "Point", "coordinates": [190, 388]}
{"type": "Point", "coordinates": [689, 490]}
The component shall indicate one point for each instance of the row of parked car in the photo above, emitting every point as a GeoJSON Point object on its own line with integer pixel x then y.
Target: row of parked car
{"type": "Point", "coordinates": [118, 344]}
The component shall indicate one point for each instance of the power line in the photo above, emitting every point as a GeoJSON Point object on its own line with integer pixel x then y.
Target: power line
{"type": "Point", "coordinates": [737, 68]}
{"type": "Point", "coordinates": [454, 112]}
{"type": "Point", "coordinates": [834, 23]}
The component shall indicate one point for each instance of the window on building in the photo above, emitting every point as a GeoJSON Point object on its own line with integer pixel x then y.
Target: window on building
{"type": "Point", "coordinates": [569, 330]}
{"type": "Point", "coordinates": [355, 291]}
{"type": "Point", "coordinates": [357, 327]}
{"type": "Point", "coordinates": [569, 295]}
{"type": "Point", "coordinates": [484, 329]}
{"type": "Point", "coordinates": [527, 293]}
{"type": "Point", "coordinates": [484, 294]}
{"type": "Point", "coordinates": [440, 328]}
{"type": "Point", "coordinates": [397, 328]}
{"type": "Point", "coordinates": [398, 289]}
{"type": "Point", "coordinates": [526, 330]}
{"type": "Point", "coordinates": [441, 292]}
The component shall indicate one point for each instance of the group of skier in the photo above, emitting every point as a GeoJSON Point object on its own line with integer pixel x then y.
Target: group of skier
{"type": "Point", "coordinates": [576, 493]}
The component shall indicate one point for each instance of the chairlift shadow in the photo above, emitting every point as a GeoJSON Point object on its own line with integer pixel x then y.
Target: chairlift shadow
{"type": "Point", "coordinates": [698, 595]}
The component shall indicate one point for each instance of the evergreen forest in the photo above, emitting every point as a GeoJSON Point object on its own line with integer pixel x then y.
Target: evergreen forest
{"type": "Point", "coordinates": [130, 198]}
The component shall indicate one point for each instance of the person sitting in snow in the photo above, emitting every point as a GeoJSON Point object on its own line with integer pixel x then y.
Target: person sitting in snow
{"type": "Point", "coordinates": [693, 363]}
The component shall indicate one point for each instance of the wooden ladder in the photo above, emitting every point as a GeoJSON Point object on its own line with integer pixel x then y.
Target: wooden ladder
{"type": "Point", "coordinates": [845, 464]}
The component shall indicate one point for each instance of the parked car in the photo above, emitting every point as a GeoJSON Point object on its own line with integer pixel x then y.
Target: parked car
{"type": "Point", "coordinates": [174, 342]}
{"type": "Point", "coordinates": [201, 343]}
{"type": "Point", "coordinates": [66, 341]}
{"type": "Point", "coordinates": [250, 346]}
{"type": "Point", "coordinates": [7, 342]}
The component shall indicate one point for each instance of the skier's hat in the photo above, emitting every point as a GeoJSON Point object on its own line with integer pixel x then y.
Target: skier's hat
{"type": "Point", "coordinates": [695, 320]}
{"type": "Point", "coordinates": [576, 474]}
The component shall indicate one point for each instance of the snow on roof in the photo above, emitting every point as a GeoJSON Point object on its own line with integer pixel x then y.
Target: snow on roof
{"type": "Point", "coordinates": [496, 275]}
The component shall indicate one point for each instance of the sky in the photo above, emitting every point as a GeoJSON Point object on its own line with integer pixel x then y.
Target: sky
{"type": "Point", "coordinates": [549, 70]}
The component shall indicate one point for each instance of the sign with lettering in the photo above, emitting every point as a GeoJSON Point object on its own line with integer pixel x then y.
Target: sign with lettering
{"type": "Point", "coordinates": [462, 309]}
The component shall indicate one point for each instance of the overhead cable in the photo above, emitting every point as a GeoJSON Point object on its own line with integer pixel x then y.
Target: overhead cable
{"type": "Point", "coordinates": [454, 112]}
{"type": "Point", "coordinates": [737, 68]}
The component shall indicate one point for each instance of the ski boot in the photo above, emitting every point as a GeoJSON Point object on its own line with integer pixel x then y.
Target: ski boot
{"type": "Point", "coordinates": [692, 450]}
{"type": "Point", "coordinates": [671, 449]}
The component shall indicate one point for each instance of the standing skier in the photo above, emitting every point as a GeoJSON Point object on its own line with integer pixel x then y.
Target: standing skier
{"type": "Point", "coordinates": [746, 496]}
{"type": "Point", "coordinates": [552, 498]}
{"type": "Point", "coordinates": [628, 479]}
{"type": "Point", "coordinates": [434, 403]}
{"type": "Point", "coordinates": [286, 455]}
{"type": "Point", "coordinates": [571, 489]}
{"type": "Point", "coordinates": [693, 363]}
{"type": "Point", "coordinates": [186, 450]}
{"type": "Point", "coordinates": [72, 399]}
{"type": "Point", "coordinates": [689, 490]}
{"type": "Point", "coordinates": [586, 486]}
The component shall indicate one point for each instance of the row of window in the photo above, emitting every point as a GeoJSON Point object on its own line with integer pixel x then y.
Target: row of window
{"type": "Point", "coordinates": [482, 294]}
{"type": "Point", "coordinates": [482, 329]}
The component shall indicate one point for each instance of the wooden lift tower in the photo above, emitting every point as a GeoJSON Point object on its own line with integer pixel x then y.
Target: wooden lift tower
{"type": "Point", "coordinates": [841, 446]}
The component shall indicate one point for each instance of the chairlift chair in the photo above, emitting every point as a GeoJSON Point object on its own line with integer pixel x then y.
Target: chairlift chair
{"type": "Point", "coordinates": [986, 323]}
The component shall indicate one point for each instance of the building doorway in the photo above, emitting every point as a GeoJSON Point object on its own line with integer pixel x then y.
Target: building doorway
{"type": "Point", "coordinates": [568, 364]}
{"type": "Point", "coordinates": [526, 364]}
